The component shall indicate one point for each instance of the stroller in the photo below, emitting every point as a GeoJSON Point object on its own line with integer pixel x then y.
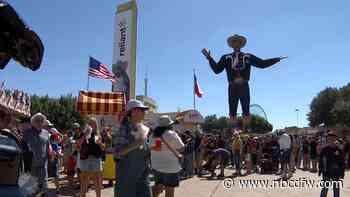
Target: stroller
{"type": "Point", "coordinates": [17, 41]}
{"type": "Point", "coordinates": [269, 162]}
{"type": "Point", "coordinates": [266, 164]}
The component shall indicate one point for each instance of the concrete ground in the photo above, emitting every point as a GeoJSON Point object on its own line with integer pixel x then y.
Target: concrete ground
{"type": "Point", "coordinates": [204, 187]}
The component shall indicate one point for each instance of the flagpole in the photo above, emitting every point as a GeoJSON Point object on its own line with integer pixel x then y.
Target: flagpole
{"type": "Point", "coordinates": [88, 79]}
{"type": "Point", "coordinates": [194, 90]}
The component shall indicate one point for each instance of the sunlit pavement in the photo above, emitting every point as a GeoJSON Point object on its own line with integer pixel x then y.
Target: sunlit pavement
{"type": "Point", "coordinates": [204, 187]}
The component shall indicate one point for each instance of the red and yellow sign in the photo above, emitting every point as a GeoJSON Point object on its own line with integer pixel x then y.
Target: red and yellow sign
{"type": "Point", "coordinates": [101, 103]}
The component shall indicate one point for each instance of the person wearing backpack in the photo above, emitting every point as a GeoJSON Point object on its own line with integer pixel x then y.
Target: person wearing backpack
{"type": "Point", "coordinates": [166, 146]}
{"type": "Point", "coordinates": [91, 152]}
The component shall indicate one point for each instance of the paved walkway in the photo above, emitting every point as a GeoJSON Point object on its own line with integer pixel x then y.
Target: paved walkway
{"type": "Point", "coordinates": [204, 187]}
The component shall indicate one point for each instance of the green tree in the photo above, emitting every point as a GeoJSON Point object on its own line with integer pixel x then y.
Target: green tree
{"type": "Point", "coordinates": [258, 124]}
{"type": "Point", "coordinates": [209, 123]}
{"type": "Point", "coordinates": [341, 109]}
{"type": "Point", "coordinates": [322, 107]}
{"type": "Point", "coordinates": [60, 111]}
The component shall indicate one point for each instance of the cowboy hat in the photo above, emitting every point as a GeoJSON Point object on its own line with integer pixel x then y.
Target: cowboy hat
{"type": "Point", "coordinates": [48, 123]}
{"type": "Point", "coordinates": [236, 38]}
{"type": "Point", "coordinates": [165, 121]}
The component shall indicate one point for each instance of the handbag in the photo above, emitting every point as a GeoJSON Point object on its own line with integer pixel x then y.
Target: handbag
{"type": "Point", "coordinates": [84, 150]}
{"type": "Point", "coordinates": [178, 155]}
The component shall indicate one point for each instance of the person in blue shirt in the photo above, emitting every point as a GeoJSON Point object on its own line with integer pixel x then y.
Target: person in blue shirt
{"type": "Point", "coordinates": [53, 164]}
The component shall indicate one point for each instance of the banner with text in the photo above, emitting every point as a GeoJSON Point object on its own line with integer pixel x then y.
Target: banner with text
{"type": "Point", "coordinates": [124, 49]}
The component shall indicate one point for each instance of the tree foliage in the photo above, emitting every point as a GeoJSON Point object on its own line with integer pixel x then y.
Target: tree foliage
{"type": "Point", "coordinates": [331, 107]}
{"type": "Point", "coordinates": [60, 111]}
{"type": "Point", "coordinates": [212, 123]}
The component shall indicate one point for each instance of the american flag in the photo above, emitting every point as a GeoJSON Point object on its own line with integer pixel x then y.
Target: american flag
{"type": "Point", "coordinates": [99, 70]}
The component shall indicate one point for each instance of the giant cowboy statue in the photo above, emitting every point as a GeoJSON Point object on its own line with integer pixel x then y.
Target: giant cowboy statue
{"type": "Point", "coordinates": [17, 40]}
{"type": "Point", "coordinates": [237, 65]}
{"type": "Point", "coordinates": [20, 43]}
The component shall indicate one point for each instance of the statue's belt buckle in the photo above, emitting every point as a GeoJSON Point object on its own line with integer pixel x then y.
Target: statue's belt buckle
{"type": "Point", "coordinates": [238, 80]}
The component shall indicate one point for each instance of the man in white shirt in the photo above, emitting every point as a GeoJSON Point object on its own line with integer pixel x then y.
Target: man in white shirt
{"type": "Point", "coordinates": [284, 142]}
{"type": "Point", "coordinates": [165, 156]}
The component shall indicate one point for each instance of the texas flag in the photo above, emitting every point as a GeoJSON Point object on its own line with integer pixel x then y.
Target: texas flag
{"type": "Point", "coordinates": [197, 89]}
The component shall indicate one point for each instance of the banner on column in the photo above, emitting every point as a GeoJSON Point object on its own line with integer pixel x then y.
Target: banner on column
{"type": "Point", "coordinates": [124, 49]}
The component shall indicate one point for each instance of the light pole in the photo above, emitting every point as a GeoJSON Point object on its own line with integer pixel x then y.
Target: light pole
{"type": "Point", "coordinates": [297, 111]}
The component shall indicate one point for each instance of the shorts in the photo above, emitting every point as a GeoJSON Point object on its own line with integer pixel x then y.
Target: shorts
{"type": "Point", "coordinates": [166, 179]}
{"type": "Point", "coordinates": [53, 168]}
{"type": "Point", "coordinates": [197, 155]}
{"type": "Point", "coordinates": [91, 164]}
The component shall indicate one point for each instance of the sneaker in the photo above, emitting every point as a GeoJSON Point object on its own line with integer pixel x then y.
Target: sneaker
{"type": "Point", "coordinates": [221, 176]}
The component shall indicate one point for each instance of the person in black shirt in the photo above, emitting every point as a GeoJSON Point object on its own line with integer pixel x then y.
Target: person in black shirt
{"type": "Point", "coordinates": [188, 140]}
{"type": "Point", "coordinates": [197, 150]}
{"type": "Point", "coordinates": [221, 142]}
{"type": "Point", "coordinates": [238, 66]}
{"type": "Point", "coordinates": [306, 154]}
{"type": "Point", "coordinates": [331, 165]}
{"type": "Point", "coordinates": [91, 151]}
{"type": "Point", "coordinates": [275, 153]}
{"type": "Point", "coordinates": [313, 154]}
{"type": "Point", "coordinates": [347, 152]}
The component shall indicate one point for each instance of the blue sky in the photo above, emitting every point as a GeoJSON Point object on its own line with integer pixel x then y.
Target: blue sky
{"type": "Point", "coordinates": [314, 34]}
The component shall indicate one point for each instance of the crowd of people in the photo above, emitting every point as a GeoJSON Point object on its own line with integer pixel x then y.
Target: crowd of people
{"type": "Point", "coordinates": [170, 155]}
{"type": "Point", "coordinates": [79, 151]}
{"type": "Point", "coordinates": [267, 154]}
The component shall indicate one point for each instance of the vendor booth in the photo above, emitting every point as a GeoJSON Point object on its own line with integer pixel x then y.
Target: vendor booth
{"type": "Point", "coordinates": [108, 108]}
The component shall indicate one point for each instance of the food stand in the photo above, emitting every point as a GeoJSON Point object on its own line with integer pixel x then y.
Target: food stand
{"type": "Point", "coordinates": [106, 106]}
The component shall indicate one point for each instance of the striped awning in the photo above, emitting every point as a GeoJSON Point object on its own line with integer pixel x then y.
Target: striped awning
{"type": "Point", "coordinates": [101, 103]}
